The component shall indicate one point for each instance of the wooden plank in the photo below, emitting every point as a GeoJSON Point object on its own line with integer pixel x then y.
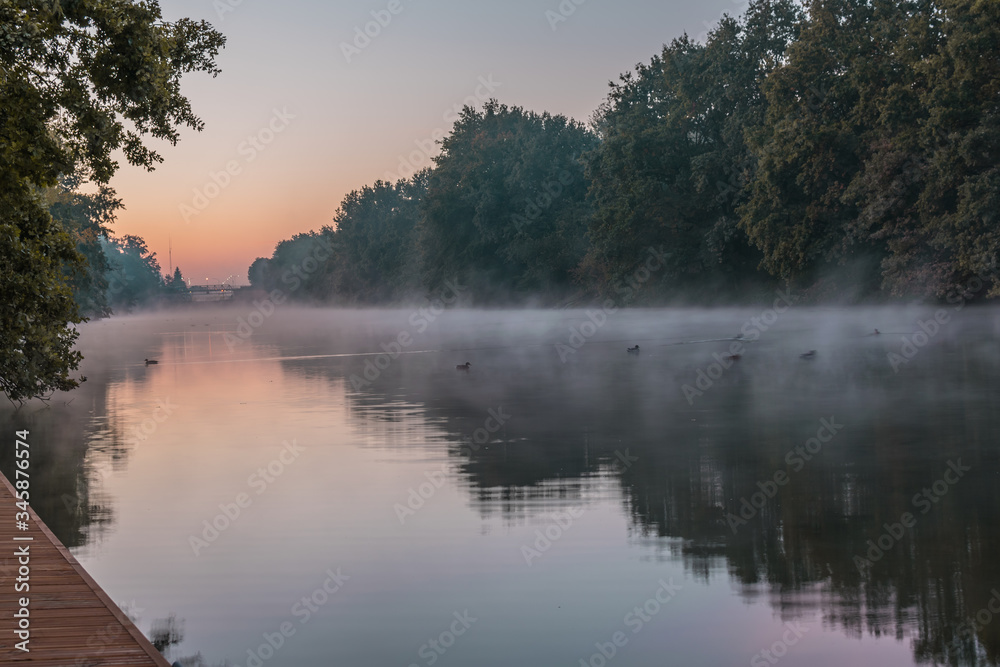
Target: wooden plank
{"type": "Point", "coordinates": [73, 621]}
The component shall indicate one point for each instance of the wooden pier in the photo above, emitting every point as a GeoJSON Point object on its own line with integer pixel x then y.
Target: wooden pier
{"type": "Point", "coordinates": [72, 622]}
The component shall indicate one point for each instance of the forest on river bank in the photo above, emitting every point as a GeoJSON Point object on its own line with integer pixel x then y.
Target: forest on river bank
{"type": "Point", "coordinates": [847, 149]}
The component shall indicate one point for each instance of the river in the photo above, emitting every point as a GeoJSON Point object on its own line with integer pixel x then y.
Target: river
{"type": "Point", "coordinates": [312, 487]}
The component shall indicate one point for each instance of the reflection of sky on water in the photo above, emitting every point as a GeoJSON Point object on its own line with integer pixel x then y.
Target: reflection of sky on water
{"type": "Point", "coordinates": [138, 460]}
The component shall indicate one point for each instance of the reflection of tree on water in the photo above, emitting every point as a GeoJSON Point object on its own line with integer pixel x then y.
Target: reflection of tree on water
{"type": "Point", "coordinates": [810, 533]}
{"type": "Point", "coordinates": [76, 440]}
{"type": "Point", "coordinates": [64, 491]}
{"type": "Point", "coordinates": [166, 632]}
{"type": "Point", "coordinates": [695, 464]}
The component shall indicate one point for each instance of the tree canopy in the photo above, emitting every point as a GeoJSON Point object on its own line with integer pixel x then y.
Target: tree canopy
{"type": "Point", "coordinates": [846, 148]}
{"type": "Point", "coordinates": [505, 209]}
{"type": "Point", "coordinates": [78, 81]}
{"type": "Point", "coordinates": [673, 163]}
{"type": "Point", "coordinates": [892, 168]}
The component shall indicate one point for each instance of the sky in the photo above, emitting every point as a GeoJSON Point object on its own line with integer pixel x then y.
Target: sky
{"type": "Point", "coordinates": [317, 99]}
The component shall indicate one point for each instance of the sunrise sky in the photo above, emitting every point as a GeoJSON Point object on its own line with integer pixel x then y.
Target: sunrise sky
{"type": "Point", "coordinates": [324, 126]}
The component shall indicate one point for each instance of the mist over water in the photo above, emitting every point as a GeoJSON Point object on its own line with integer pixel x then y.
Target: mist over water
{"type": "Point", "coordinates": [548, 492]}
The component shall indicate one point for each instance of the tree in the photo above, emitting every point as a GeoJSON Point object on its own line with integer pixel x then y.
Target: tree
{"type": "Point", "coordinates": [885, 191]}
{"type": "Point", "coordinates": [673, 163]}
{"type": "Point", "coordinates": [641, 184]}
{"type": "Point", "coordinates": [302, 267]}
{"type": "Point", "coordinates": [134, 277]}
{"type": "Point", "coordinates": [36, 345]}
{"type": "Point", "coordinates": [848, 148]}
{"type": "Point", "coordinates": [949, 240]}
{"type": "Point", "coordinates": [86, 218]}
{"type": "Point", "coordinates": [506, 209]}
{"type": "Point", "coordinates": [258, 273]}
{"type": "Point", "coordinates": [376, 236]}
{"type": "Point", "coordinates": [177, 280]}
{"type": "Point", "coordinates": [810, 148]}
{"type": "Point", "coordinates": [892, 172]}
{"type": "Point", "coordinates": [176, 285]}
{"type": "Point", "coordinates": [78, 81]}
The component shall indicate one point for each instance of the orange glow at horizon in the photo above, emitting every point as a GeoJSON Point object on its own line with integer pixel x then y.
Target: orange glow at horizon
{"type": "Point", "coordinates": [292, 126]}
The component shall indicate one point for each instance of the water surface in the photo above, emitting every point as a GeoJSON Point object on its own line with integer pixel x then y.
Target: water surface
{"type": "Point", "coordinates": [563, 501]}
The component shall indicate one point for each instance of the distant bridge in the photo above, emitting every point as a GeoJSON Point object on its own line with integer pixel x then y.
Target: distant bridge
{"type": "Point", "coordinates": [206, 289]}
{"type": "Point", "coordinates": [211, 292]}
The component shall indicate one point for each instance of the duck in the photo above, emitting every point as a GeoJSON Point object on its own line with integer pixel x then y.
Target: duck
{"type": "Point", "coordinates": [808, 355]}
{"type": "Point", "coordinates": [734, 357]}
{"type": "Point", "coordinates": [633, 350]}
{"type": "Point", "coordinates": [463, 367]}
{"type": "Point", "coordinates": [150, 362]}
